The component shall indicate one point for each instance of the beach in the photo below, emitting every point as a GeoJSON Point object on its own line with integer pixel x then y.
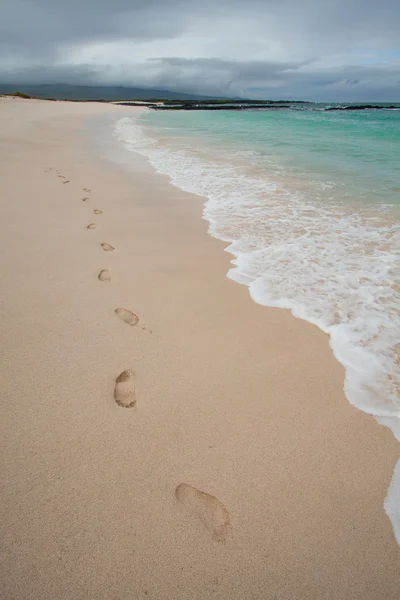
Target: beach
{"type": "Point", "coordinates": [242, 402]}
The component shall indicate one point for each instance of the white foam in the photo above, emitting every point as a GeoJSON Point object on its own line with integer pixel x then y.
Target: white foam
{"type": "Point", "coordinates": [333, 265]}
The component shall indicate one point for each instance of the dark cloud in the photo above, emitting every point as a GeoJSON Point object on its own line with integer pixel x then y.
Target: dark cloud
{"type": "Point", "coordinates": [314, 49]}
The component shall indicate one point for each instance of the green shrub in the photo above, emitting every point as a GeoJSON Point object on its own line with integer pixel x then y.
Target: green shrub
{"type": "Point", "coordinates": [21, 95]}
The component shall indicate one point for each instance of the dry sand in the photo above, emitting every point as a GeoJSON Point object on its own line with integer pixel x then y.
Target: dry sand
{"type": "Point", "coordinates": [238, 401]}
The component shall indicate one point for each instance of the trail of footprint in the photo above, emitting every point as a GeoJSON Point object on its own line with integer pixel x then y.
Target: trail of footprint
{"type": "Point", "coordinates": [127, 316]}
{"type": "Point", "coordinates": [97, 211]}
{"type": "Point", "coordinates": [107, 247]}
{"type": "Point", "coordinates": [124, 391]}
{"type": "Point", "coordinates": [211, 512]}
{"type": "Point", "coordinates": [91, 226]}
{"type": "Point", "coordinates": [105, 275]}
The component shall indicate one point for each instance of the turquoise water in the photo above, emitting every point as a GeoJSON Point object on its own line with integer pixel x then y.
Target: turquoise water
{"type": "Point", "coordinates": [359, 151]}
{"type": "Point", "coordinates": [308, 204]}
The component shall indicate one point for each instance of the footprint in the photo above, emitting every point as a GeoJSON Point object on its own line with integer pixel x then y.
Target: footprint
{"type": "Point", "coordinates": [124, 391]}
{"type": "Point", "coordinates": [127, 316]}
{"type": "Point", "coordinates": [66, 181]}
{"type": "Point", "coordinates": [87, 190]}
{"type": "Point", "coordinates": [85, 199]}
{"type": "Point", "coordinates": [91, 226]}
{"type": "Point", "coordinates": [97, 211]}
{"type": "Point", "coordinates": [211, 512]}
{"type": "Point", "coordinates": [107, 247]}
{"type": "Point", "coordinates": [105, 275]}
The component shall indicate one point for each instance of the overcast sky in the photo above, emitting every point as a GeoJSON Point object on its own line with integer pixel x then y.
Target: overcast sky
{"type": "Point", "coordinates": [304, 49]}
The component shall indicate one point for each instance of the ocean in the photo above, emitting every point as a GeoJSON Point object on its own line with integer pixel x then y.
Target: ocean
{"type": "Point", "coordinates": [308, 202]}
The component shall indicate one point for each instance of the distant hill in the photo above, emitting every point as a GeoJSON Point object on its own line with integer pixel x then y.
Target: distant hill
{"type": "Point", "coordinates": [86, 92]}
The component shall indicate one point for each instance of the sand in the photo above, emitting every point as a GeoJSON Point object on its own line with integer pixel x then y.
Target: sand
{"type": "Point", "coordinates": [233, 468]}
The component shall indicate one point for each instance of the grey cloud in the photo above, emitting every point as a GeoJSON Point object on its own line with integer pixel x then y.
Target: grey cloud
{"type": "Point", "coordinates": [48, 22]}
{"type": "Point", "coordinates": [342, 49]}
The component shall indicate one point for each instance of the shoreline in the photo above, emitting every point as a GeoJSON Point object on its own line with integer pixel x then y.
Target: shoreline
{"type": "Point", "coordinates": [358, 383]}
{"type": "Point", "coordinates": [226, 402]}
{"type": "Point", "coordinates": [353, 379]}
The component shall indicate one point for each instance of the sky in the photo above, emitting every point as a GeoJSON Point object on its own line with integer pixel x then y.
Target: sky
{"type": "Point", "coordinates": [291, 49]}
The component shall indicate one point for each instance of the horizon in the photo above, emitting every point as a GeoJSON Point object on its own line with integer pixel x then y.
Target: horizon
{"type": "Point", "coordinates": [14, 91]}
